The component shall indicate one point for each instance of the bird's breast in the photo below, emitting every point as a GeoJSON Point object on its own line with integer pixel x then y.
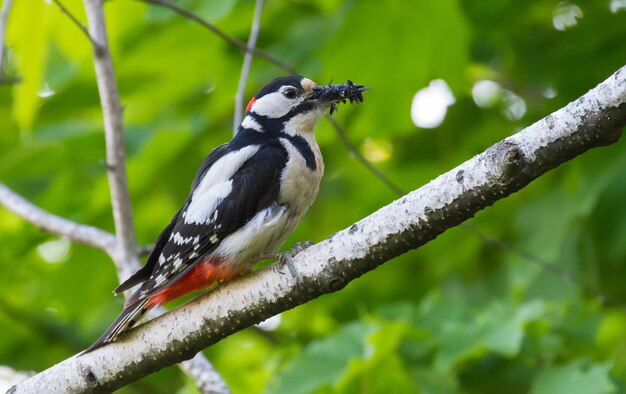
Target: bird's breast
{"type": "Point", "coordinates": [300, 182]}
{"type": "Point", "coordinates": [268, 229]}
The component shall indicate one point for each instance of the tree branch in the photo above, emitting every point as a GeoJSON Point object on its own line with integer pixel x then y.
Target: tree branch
{"type": "Point", "coordinates": [46, 221]}
{"type": "Point", "coordinates": [9, 80]}
{"type": "Point", "coordinates": [247, 63]}
{"type": "Point", "coordinates": [206, 378]}
{"type": "Point", "coordinates": [4, 18]}
{"type": "Point", "coordinates": [114, 135]}
{"type": "Point", "coordinates": [54, 224]}
{"type": "Point", "coordinates": [595, 119]}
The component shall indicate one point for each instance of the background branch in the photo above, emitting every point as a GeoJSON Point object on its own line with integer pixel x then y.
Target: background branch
{"type": "Point", "coordinates": [4, 18]}
{"type": "Point", "coordinates": [203, 22]}
{"type": "Point", "coordinates": [54, 224]}
{"type": "Point", "coordinates": [247, 63]}
{"type": "Point", "coordinates": [76, 22]}
{"type": "Point", "coordinates": [595, 119]}
{"type": "Point", "coordinates": [354, 152]}
{"type": "Point", "coordinates": [204, 375]}
{"type": "Point", "coordinates": [9, 80]}
{"type": "Point", "coordinates": [126, 250]}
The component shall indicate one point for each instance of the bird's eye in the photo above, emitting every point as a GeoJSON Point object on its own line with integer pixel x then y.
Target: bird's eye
{"type": "Point", "coordinates": [290, 93]}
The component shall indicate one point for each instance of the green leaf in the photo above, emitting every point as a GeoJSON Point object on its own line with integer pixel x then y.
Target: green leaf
{"type": "Point", "coordinates": [437, 48]}
{"type": "Point", "coordinates": [27, 35]}
{"type": "Point", "coordinates": [576, 377]}
{"type": "Point", "coordinates": [504, 325]}
{"type": "Point", "coordinates": [323, 362]}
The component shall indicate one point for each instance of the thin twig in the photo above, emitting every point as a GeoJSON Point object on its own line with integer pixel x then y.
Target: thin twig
{"type": "Point", "coordinates": [9, 80]}
{"type": "Point", "coordinates": [203, 373]}
{"type": "Point", "coordinates": [145, 250]}
{"type": "Point", "coordinates": [357, 155]}
{"type": "Point", "coordinates": [247, 63]}
{"type": "Point", "coordinates": [4, 18]}
{"type": "Point", "coordinates": [557, 271]}
{"type": "Point", "coordinates": [114, 136]}
{"type": "Point", "coordinates": [554, 269]}
{"type": "Point", "coordinates": [76, 22]}
{"type": "Point", "coordinates": [54, 224]}
{"type": "Point", "coordinates": [240, 44]}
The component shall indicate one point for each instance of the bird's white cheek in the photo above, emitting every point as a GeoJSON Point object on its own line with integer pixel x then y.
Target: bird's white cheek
{"type": "Point", "coordinates": [273, 105]}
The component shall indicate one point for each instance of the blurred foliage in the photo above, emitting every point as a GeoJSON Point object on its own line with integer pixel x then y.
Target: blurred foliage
{"type": "Point", "coordinates": [458, 315]}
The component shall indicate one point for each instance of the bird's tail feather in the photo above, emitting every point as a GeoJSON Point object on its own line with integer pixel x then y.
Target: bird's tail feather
{"type": "Point", "coordinates": [126, 320]}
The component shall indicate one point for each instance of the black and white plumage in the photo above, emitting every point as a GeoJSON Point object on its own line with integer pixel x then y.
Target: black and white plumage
{"type": "Point", "coordinates": [247, 197]}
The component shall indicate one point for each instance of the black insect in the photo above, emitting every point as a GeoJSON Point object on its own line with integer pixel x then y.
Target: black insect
{"type": "Point", "coordinates": [341, 93]}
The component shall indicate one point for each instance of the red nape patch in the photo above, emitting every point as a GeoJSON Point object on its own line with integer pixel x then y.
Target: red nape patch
{"type": "Point", "coordinates": [203, 275]}
{"type": "Point", "coordinates": [251, 103]}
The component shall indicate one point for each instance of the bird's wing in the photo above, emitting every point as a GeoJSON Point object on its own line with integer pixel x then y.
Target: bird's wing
{"type": "Point", "coordinates": [144, 273]}
{"type": "Point", "coordinates": [226, 195]}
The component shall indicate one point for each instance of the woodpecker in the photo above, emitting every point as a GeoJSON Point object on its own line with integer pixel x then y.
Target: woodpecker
{"type": "Point", "coordinates": [247, 197]}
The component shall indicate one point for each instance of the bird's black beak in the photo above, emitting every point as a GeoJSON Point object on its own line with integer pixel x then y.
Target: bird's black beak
{"type": "Point", "coordinates": [333, 94]}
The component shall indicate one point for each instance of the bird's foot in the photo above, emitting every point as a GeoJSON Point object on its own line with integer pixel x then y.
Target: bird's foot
{"type": "Point", "coordinates": [286, 258]}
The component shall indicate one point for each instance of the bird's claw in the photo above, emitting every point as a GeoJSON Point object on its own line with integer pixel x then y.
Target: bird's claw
{"type": "Point", "coordinates": [286, 258]}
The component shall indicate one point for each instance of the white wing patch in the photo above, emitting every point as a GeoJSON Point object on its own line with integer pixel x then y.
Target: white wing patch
{"type": "Point", "coordinates": [160, 279]}
{"type": "Point", "coordinates": [179, 239]}
{"type": "Point", "coordinates": [203, 204]}
{"type": "Point", "coordinates": [215, 185]}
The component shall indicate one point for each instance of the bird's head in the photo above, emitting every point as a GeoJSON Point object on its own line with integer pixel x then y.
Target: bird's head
{"type": "Point", "coordinates": [294, 104]}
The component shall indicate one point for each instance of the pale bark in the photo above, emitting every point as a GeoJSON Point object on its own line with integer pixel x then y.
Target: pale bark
{"type": "Point", "coordinates": [595, 119]}
{"type": "Point", "coordinates": [247, 64]}
{"type": "Point", "coordinates": [4, 19]}
{"type": "Point", "coordinates": [112, 114]}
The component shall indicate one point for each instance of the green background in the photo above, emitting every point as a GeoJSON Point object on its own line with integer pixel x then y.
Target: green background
{"type": "Point", "coordinates": [458, 315]}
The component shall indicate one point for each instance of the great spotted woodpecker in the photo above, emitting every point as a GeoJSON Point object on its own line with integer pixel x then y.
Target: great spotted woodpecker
{"type": "Point", "coordinates": [247, 197]}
